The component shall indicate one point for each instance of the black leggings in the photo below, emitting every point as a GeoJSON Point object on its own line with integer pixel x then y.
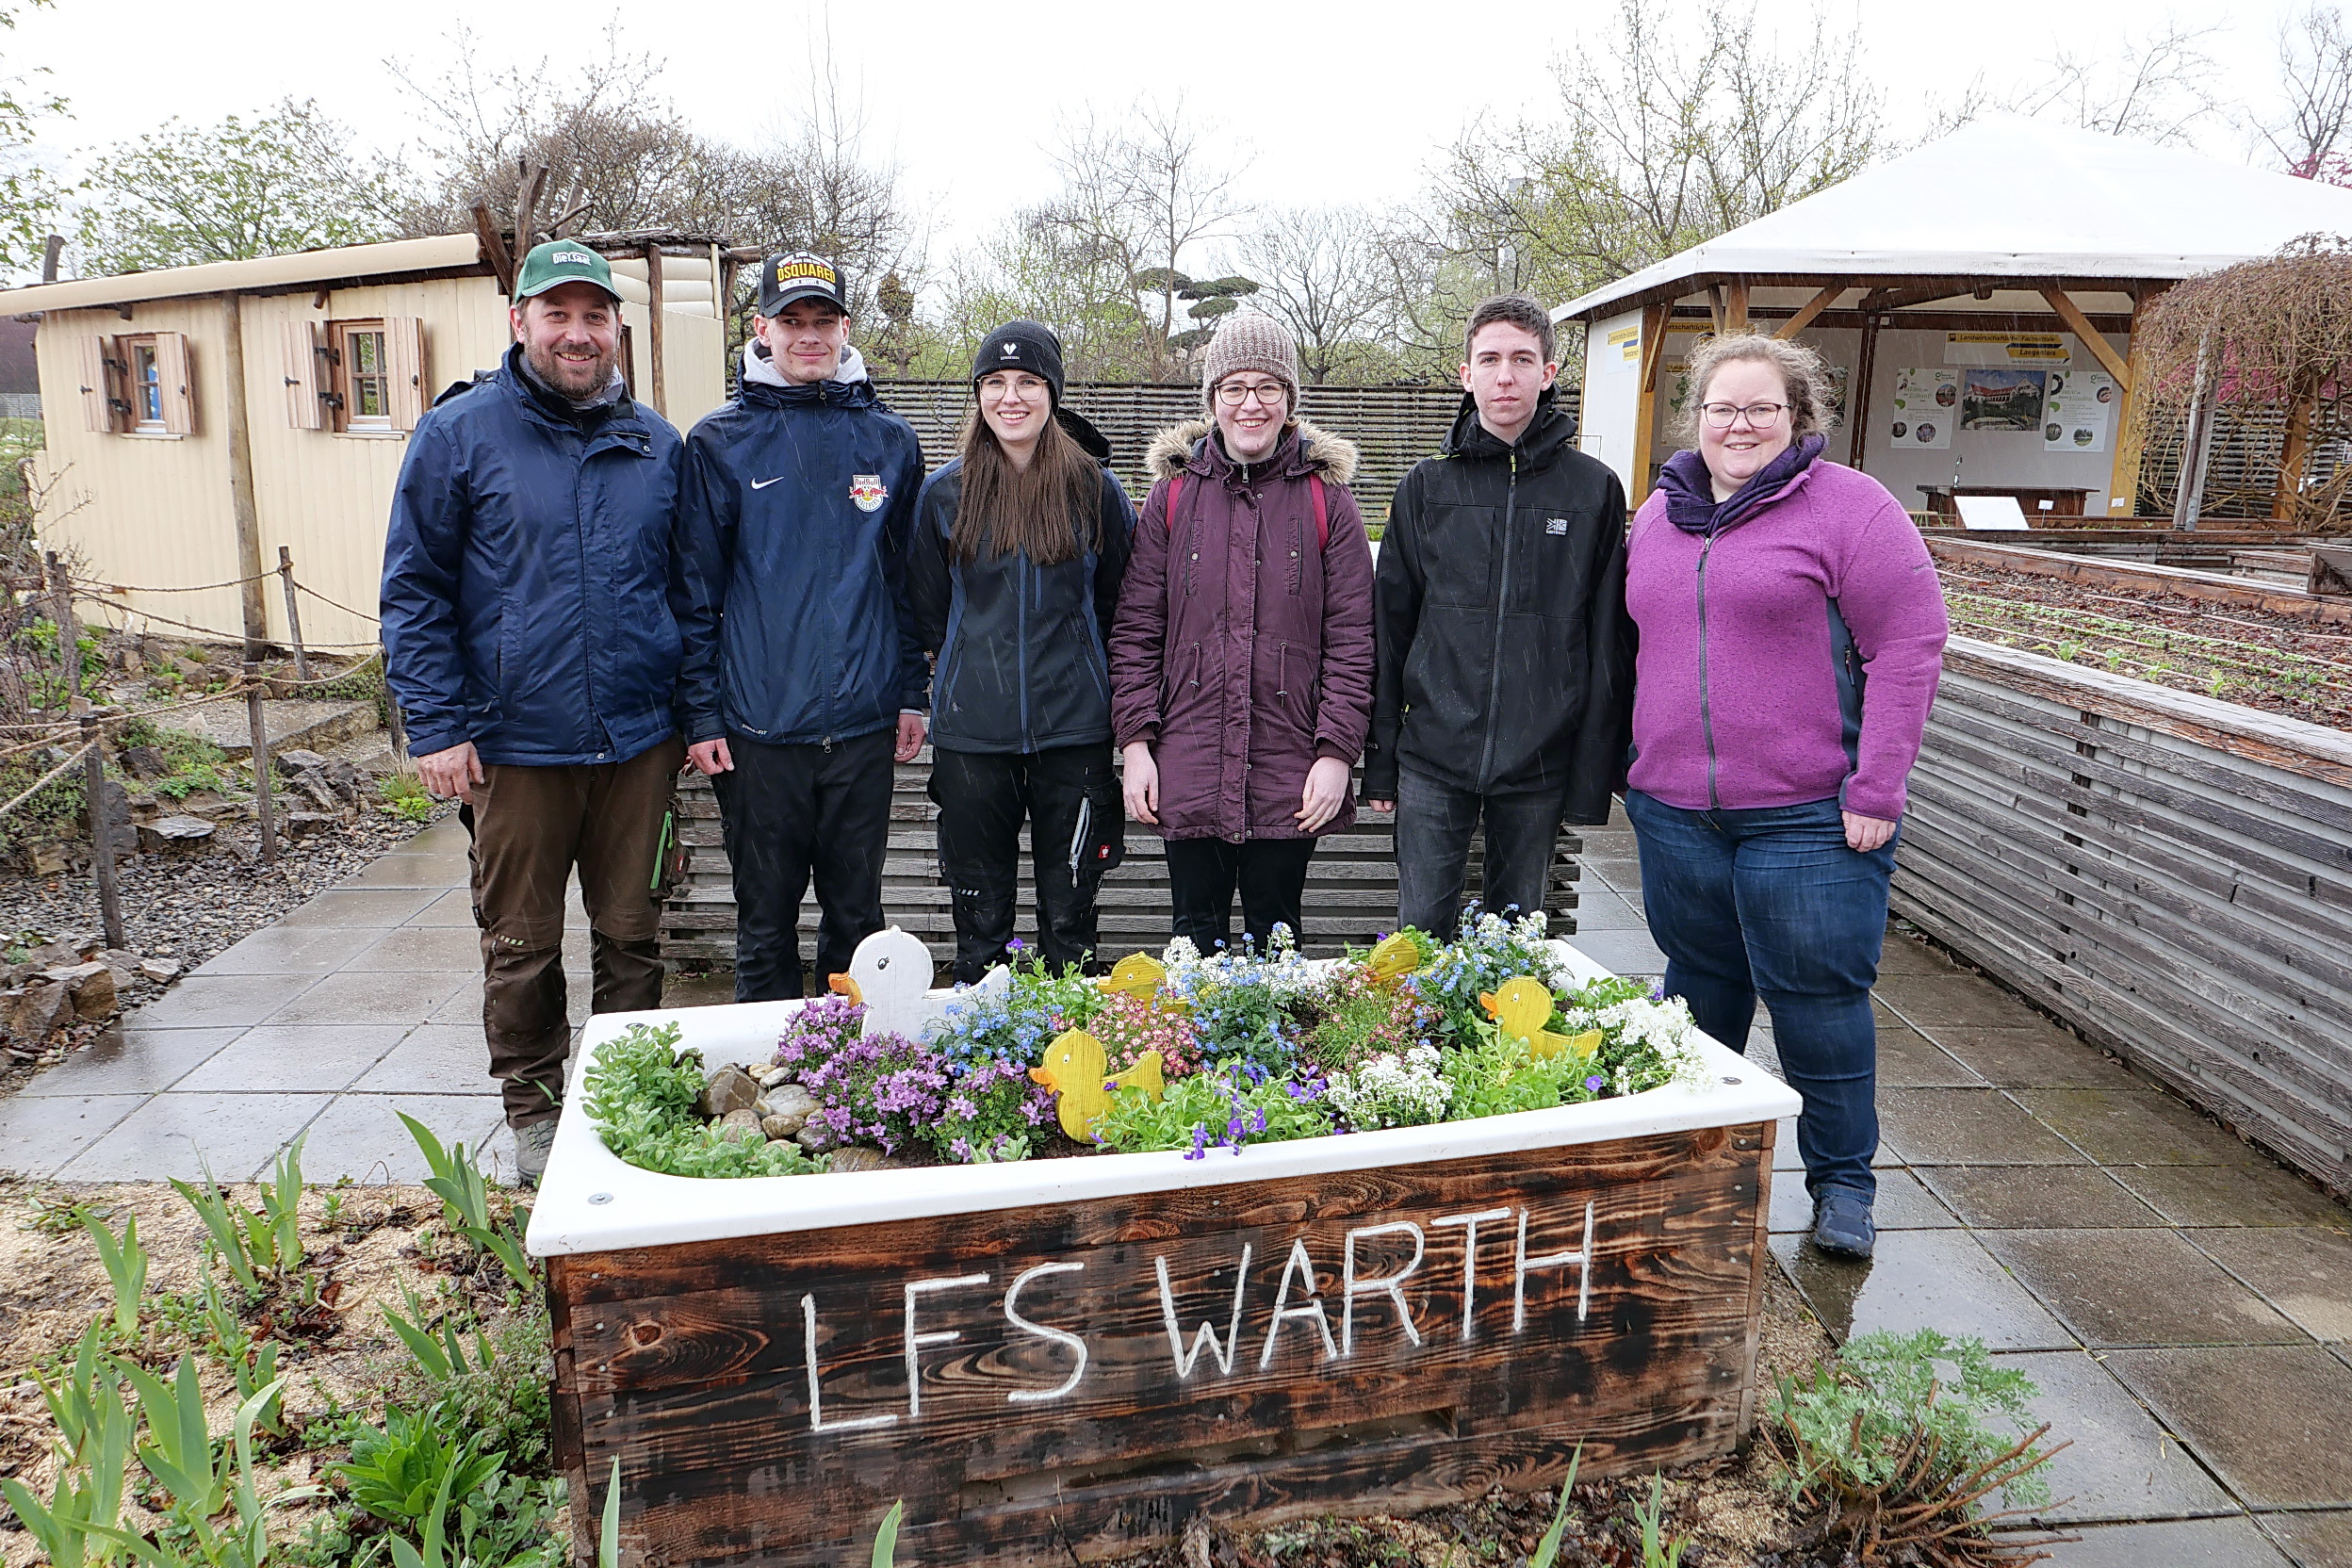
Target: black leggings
{"type": "Point", "coordinates": [1201, 874]}
{"type": "Point", "coordinates": [1070, 799]}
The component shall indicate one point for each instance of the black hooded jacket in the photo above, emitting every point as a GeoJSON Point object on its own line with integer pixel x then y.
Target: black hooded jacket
{"type": "Point", "coordinates": [1506, 654]}
{"type": "Point", "coordinates": [1021, 665]}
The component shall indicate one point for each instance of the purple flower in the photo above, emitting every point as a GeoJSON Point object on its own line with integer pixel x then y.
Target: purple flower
{"type": "Point", "coordinates": [960, 1149]}
{"type": "Point", "coordinates": [1200, 1141]}
{"type": "Point", "coordinates": [1594, 1082]}
{"type": "Point", "coordinates": [1016, 945]}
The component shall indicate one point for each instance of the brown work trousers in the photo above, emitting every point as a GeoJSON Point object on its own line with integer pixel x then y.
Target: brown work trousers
{"type": "Point", "coordinates": [530, 826]}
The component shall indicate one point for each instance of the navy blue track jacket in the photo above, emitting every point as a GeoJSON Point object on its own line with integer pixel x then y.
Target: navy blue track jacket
{"type": "Point", "coordinates": [527, 579]}
{"type": "Point", "coordinates": [796, 509]}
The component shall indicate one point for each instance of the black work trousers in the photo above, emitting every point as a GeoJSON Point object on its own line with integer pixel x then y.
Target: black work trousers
{"type": "Point", "coordinates": [1270, 872]}
{"type": "Point", "coordinates": [789, 811]}
{"type": "Point", "coordinates": [1076, 828]}
{"type": "Point", "coordinates": [1434, 822]}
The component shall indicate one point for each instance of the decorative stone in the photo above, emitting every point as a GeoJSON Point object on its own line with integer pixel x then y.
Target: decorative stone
{"type": "Point", "coordinates": [46, 860]}
{"type": "Point", "coordinates": [729, 1089]}
{"type": "Point", "coordinates": [743, 1126]}
{"type": "Point", "coordinates": [810, 1139]}
{"type": "Point", "coordinates": [144, 763]}
{"type": "Point", "coordinates": [308, 824]}
{"type": "Point", "coordinates": [51, 955]}
{"type": "Point", "coordinates": [122, 961]}
{"type": "Point", "coordinates": [771, 1075]}
{"type": "Point", "coordinates": [72, 976]}
{"type": "Point", "coordinates": [97, 998]}
{"type": "Point", "coordinates": [298, 761]}
{"type": "Point", "coordinates": [175, 835]}
{"type": "Point", "coordinates": [161, 970]}
{"type": "Point", "coordinates": [45, 1008]}
{"type": "Point", "coordinates": [792, 1106]}
{"type": "Point", "coordinates": [855, 1158]}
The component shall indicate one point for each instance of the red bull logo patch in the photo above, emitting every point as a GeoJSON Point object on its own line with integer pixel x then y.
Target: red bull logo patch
{"type": "Point", "coordinates": [867, 490]}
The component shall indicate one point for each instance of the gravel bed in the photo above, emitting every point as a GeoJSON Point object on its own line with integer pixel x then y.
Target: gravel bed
{"type": "Point", "coordinates": [2277, 662]}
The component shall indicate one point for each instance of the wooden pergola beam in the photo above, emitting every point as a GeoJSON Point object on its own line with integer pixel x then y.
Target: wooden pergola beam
{"type": "Point", "coordinates": [2093, 339]}
{"type": "Point", "coordinates": [1812, 308]}
{"type": "Point", "coordinates": [1902, 297]}
{"type": "Point", "coordinates": [1736, 305]}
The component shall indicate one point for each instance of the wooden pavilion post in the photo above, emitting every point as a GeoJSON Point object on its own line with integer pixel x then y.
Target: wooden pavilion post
{"type": "Point", "coordinates": [653, 332]}
{"type": "Point", "coordinates": [244, 511]}
{"type": "Point", "coordinates": [1653, 319]}
{"type": "Point", "coordinates": [2295, 452]}
{"type": "Point", "coordinates": [1858, 393]}
{"type": "Point", "coordinates": [2124, 479]}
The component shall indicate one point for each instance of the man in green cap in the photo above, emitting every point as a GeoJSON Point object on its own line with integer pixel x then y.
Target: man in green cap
{"type": "Point", "coordinates": [529, 636]}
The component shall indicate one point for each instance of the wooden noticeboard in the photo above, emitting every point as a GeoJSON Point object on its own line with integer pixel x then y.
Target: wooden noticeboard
{"type": "Point", "coordinates": [1072, 1382]}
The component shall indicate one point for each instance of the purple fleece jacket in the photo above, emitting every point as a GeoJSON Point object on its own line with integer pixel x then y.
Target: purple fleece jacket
{"type": "Point", "coordinates": [1791, 657]}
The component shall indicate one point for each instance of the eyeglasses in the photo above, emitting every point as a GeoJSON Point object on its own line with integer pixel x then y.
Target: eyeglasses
{"type": "Point", "coordinates": [1759, 415]}
{"type": "Point", "coordinates": [1233, 394]}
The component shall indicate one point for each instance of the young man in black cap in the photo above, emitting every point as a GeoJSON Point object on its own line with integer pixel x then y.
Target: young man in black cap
{"type": "Point", "coordinates": [802, 682]}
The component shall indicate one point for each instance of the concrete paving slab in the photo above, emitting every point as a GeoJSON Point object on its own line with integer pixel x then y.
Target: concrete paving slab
{"type": "Point", "coordinates": [222, 1001]}
{"type": "Point", "coordinates": [2182, 1544]}
{"type": "Point", "coordinates": [399, 870]}
{"type": "Point", "coordinates": [1630, 951]}
{"type": "Point", "coordinates": [2319, 1539]}
{"type": "Point", "coordinates": [2039, 1058]}
{"type": "Point", "coordinates": [1929, 1001]}
{"type": "Point", "coordinates": [40, 1136]}
{"type": "Point", "coordinates": [293, 950]}
{"type": "Point", "coordinates": [314, 1057]}
{"type": "Point", "coordinates": [1784, 1155]}
{"type": "Point", "coordinates": [440, 947]}
{"type": "Point", "coordinates": [234, 1136]}
{"type": "Point", "coordinates": [2306, 1274]}
{"type": "Point", "coordinates": [2269, 1420]}
{"type": "Point", "coordinates": [362, 1136]}
{"type": "Point", "coordinates": [1603, 910]}
{"type": "Point", "coordinates": [1902, 1203]}
{"type": "Point", "coordinates": [2122, 1127]}
{"type": "Point", "coordinates": [1967, 1127]}
{"type": "Point", "coordinates": [360, 907]}
{"type": "Point", "coordinates": [129, 1061]}
{"type": "Point", "coordinates": [2117, 1288]}
{"type": "Point", "coordinates": [1905, 955]}
{"type": "Point", "coordinates": [1907, 1060]}
{"type": "Point", "coordinates": [1921, 1279]}
{"type": "Point", "coordinates": [453, 908]}
{"type": "Point", "coordinates": [2199, 1195]}
{"type": "Point", "coordinates": [2038, 1197]}
{"type": "Point", "coordinates": [381, 997]}
{"type": "Point", "coordinates": [435, 1058]}
{"type": "Point", "coordinates": [2120, 1462]}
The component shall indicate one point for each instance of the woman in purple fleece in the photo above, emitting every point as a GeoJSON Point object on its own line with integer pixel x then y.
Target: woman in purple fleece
{"type": "Point", "coordinates": [1792, 630]}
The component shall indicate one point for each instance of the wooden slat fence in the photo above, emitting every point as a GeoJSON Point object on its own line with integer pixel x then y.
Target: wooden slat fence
{"type": "Point", "coordinates": [1352, 885]}
{"type": "Point", "coordinates": [1394, 427]}
{"type": "Point", "coordinates": [2170, 873]}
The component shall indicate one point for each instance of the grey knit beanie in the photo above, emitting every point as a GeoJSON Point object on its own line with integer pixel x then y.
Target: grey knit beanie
{"type": "Point", "coordinates": [1250, 340]}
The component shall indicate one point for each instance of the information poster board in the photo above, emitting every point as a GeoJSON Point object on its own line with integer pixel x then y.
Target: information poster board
{"type": "Point", "coordinates": [2079, 410]}
{"type": "Point", "coordinates": [1927, 403]}
{"type": "Point", "coordinates": [2006, 347]}
{"type": "Point", "coordinates": [2001, 399]}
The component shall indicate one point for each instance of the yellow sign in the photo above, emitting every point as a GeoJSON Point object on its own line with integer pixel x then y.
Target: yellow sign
{"type": "Point", "coordinates": [1628, 342]}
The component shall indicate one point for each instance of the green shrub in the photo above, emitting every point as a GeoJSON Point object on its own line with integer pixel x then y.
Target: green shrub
{"type": "Point", "coordinates": [641, 1092]}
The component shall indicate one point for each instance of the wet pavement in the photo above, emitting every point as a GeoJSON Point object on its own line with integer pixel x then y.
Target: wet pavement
{"type": "Point", "coordinates": [2184, 1303]}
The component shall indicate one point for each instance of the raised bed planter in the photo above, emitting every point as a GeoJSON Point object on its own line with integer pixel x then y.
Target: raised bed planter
{"type": "Point", "coordinates": [1071, 1357]}
{"type": "Point", "coordinates": [2170, 873]}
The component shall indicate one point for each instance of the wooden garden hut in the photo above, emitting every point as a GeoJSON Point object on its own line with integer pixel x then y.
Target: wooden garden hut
{"type": "Point", "coordinates": [1975, 298]}
{"type": "Point", "coordinates": [200, 418]}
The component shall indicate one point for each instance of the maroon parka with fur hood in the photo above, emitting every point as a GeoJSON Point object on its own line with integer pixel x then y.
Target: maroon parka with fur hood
{"type": "Point", "coordinates": [1241, 650]}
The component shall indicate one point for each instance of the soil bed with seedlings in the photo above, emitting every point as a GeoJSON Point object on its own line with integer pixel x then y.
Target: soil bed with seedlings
{"type": "Point", "coordinates": [372, 1366]}
{"type": "Point", "coordinates": [2276, 662]}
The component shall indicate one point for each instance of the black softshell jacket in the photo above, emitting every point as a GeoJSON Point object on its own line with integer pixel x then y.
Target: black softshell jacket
{"type": "Point", "coordinates": [1506, 655]}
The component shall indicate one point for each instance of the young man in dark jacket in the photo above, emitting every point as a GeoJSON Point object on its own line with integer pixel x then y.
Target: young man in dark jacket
{"type": "Point", "coordinates": [803, 680]}
{"type": "Point", "coordinates": [529, 635]}
{"type": "Point", "coordinates": [1505, 686]}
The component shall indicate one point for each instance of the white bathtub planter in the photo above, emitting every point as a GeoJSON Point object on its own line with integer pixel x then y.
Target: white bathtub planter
{"type": "Point", "coordinates": [1071, 1357]}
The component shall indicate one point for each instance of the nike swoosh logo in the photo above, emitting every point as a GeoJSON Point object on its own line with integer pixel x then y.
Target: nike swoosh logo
{"type": "Point", "coordinates": [763, 483]}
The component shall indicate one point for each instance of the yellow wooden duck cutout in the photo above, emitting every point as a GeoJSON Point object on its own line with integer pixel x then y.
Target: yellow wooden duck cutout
{"type": "Point", "coordinates": [1078, 1072]}
{"type": "Point", "coordinates": [1521, 1007]}
{"type": "Point", "coordinates": [1394, 957]}
{"type": "Point", "coordinates": [1139, 975]}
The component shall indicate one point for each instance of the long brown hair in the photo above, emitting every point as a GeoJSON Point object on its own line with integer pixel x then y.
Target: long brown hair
{"type": "Point", "coordinates": [1048, 511]}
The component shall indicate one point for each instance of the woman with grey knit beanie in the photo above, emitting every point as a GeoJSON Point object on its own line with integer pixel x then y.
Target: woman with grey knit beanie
{"type": "Point", "coordinates": [1241, 657]}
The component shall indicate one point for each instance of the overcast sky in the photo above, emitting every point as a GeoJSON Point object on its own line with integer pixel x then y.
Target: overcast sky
{"type": "Point", "coordinates": [1339, 102]}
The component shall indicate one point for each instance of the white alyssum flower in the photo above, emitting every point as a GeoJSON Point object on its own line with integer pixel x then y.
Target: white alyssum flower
{"type": "Point", "coordinates": [1664, 1027]}
{"type": "Point", "coordinates": [1389, 1091]}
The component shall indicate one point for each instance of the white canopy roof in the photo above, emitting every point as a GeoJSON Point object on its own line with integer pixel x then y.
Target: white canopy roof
{"type": "Point", "coordinates": [2012, 197]}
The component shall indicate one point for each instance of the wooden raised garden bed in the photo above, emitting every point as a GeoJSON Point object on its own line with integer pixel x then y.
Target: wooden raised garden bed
{"type": "Point", "coordinates": [2169, 873]}
{"type": "Point", "coordinates": [1067, 1359]}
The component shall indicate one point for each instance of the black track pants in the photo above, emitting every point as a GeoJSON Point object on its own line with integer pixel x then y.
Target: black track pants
{"type": "Point", "coordinates": [1070, 799]}
{"type": "Point", "coordinates": [791, 811]}
{"type": "Point", "coordinates": [1203, 873]}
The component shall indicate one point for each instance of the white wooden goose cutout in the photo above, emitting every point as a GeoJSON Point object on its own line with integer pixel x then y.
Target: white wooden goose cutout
{"type": "Point", "coordinates": [891, 973]}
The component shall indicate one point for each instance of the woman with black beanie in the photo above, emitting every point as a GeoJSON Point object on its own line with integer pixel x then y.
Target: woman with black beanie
{"type": "Point", "coordinates": [1019, 546]}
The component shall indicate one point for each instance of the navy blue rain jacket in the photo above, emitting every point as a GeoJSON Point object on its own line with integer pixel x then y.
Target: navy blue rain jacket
{"type": "Point", "coordinates": [795, 512]}
{"type": "Point", "coordinates": [527, 580]}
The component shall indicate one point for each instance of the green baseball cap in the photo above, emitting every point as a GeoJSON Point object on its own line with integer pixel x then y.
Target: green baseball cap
{"type": "Point", "coordinates": [559, 262]}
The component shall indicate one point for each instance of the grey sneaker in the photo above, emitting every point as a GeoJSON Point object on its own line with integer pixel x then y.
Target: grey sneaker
{"type": "Point", "coordinates": [531, 1144]}
{"type": "Point", "coordinates": [1843, 1223]}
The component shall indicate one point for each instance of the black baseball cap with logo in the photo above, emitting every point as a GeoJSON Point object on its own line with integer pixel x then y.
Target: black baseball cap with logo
{"type": "Point", "coordinates": [799, 275]}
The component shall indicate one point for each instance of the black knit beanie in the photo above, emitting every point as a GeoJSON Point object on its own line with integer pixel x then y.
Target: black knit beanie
{"type": "Point", "coordinates": [1029, 346]}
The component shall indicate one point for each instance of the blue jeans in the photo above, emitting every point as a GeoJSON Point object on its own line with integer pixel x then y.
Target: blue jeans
{"type": "Point", "coordinates": [1770, 903]}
